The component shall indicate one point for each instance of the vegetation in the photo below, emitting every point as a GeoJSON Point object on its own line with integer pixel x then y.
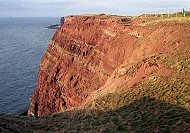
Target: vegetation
{"type": "Point", "coordinates": [159, 104]}
{"type": "Point", "coordinates": [134, 111]}
{"type": "Point", "coordinates": [187, 13]}
{"type": "Point", "coordinates": [179, 61]}
{"type": "Point", "coordinates": [172, 19]}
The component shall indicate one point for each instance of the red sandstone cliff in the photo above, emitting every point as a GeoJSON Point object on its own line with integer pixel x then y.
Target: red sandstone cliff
{"type": "Point", "coordinates": [87, 54]}
{"type": "Point", "coordinates": [81, 56]}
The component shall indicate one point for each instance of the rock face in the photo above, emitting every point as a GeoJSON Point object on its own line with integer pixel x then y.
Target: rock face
{"type": "Point", "coordinates": [90, 56]}
{"type": "Point", "coordinates": [80, 58]}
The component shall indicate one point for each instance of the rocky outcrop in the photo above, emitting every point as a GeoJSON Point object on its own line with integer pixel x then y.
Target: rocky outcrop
{"type": "Point", "coordinates": [91, 56]}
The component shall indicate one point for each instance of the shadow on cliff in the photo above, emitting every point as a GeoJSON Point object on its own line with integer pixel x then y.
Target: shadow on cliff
{"type": "Point", "coordinates": [143, 115]}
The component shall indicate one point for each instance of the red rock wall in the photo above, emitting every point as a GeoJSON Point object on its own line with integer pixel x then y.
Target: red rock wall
{"type": "Point", "coordinates": [85, 55]}
{"type": "Point", "coordinates": [81, 57]}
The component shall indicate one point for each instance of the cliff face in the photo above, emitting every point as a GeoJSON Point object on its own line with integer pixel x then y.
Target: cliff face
{"type": "Point", "coordinates": [91, 56]}
{"type": "Point", "coordinates": [80, 58]}
{"type": "Point", "coordinates": [122, 75]}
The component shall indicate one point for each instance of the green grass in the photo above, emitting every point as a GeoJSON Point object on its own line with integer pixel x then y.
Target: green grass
{"type": "Point", "coordinates": [170, 89]}
{"type": "Point", "coordinates": [187, 13]}
{"type": "Point", "coordinates": [142, 115]}
{"type": "Point", "coordinates": [171, 20]}
{"type": "Point", "coordinates": [148, 110]}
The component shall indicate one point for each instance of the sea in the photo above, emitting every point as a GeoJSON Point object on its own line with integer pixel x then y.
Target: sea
{"type": "Point", "coordinates": [23, 42]}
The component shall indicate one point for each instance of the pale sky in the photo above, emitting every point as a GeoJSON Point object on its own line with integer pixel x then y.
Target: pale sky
{"type": "Point", "coordinates": [58, 8]}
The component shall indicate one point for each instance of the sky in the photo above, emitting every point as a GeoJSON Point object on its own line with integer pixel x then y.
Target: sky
{"type": "Point", "coordinates": [59, 8]}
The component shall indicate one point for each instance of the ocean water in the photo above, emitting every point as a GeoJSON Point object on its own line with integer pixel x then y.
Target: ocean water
{"type": "Point", "coordinates": [23, 42]}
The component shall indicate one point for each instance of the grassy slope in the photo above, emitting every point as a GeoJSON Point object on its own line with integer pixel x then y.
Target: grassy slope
{"type": "Point", "coordinates": [142, 115]}
{"type": "Point", "coordinates": [146, 98]}
{"type": "Point", "coordinates": [174, 20]}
